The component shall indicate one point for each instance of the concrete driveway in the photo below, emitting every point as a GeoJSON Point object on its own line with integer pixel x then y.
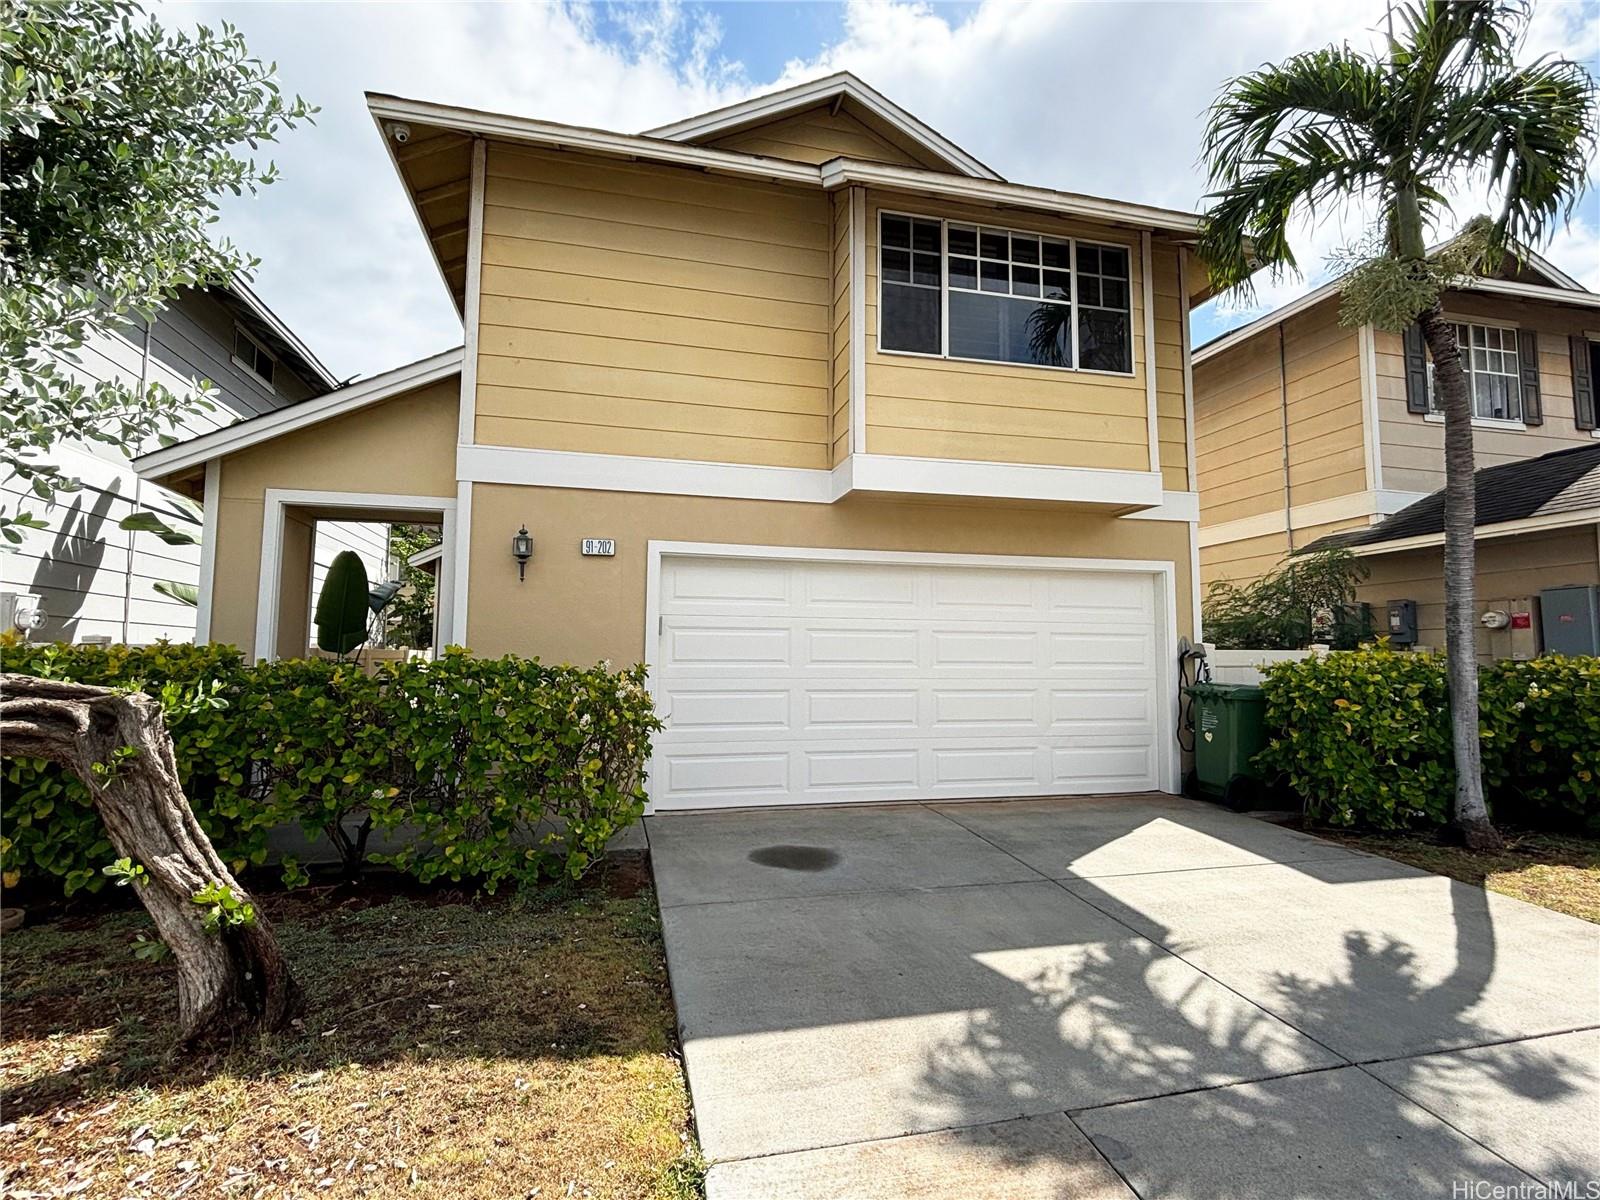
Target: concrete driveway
{"type": "Point", "coordinates": [1113, 997]}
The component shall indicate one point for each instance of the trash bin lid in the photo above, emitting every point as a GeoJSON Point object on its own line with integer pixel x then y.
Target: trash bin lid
{"type": "Point", "coordinates": [1228, 692]}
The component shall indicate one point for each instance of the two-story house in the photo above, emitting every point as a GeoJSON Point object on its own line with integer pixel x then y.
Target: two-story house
{"type": "Point", "coordinates": [880, 461]}
{"type": "Point", "coordinates": [1309, 434]}
{"type": "Point", "coordinates": [92, 578]}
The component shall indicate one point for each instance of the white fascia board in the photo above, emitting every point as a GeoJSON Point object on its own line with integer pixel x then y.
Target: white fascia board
{"type": "Point", "coordinates": [233, 438]}
{"type": "Point", "coordinates": [775, 105]}
{"type": "Point", "coordinates": [628, 473]}
{"type": "Point", "coordinates": [595, 141]}
{"type": "Point", "coordinates": [1531, 291]}
{"type": "Point", "coordinates": [1492, 287]}
{"type": "Point", "coordinates": [1011, 481]}
{"type": "Point", "coordinates": [841, 172]}
{"type": "Point", "coordinates": [859, 472]}
{"type": "Point", "coordinates": [1174, 506]}
{"type": "Point", "coordinates": [1245, 332]}
{"type": "Point", "coordinates": [1534, 524]}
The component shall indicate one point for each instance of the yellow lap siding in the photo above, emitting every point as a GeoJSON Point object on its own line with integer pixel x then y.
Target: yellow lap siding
{"type": "Point", "coordinates": [1076, 418]}
{"type": "Point", "coordinates": [815, 136]}
{"type": "Point", "coordinates": [640, 310]}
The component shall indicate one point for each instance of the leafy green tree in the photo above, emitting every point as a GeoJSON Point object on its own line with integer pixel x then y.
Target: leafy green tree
{"type": "Point", "coordinates": [1446, 106]}
{"type": "Point", "coordinates": [117, 138]}
{"type": "Point", "coordinates": [411, 613]}
{"type": "Point", "coordinates": [1277, 611]}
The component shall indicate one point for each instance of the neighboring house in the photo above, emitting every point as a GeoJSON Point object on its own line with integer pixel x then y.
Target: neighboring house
{"type": "Point", "coordinates": [96, 580]}
{"type": "Point", "coordinates": [1538, 530]}
{"type": "Point", "coordinates": [1305, 428]}
{"type": "Point", "coordinates": [881, 462]}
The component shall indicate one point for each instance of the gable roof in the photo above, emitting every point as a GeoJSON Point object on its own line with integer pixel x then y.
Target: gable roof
{"type": "Point", "coordinates": [1562, 487]}
{"type": "Point", "coordinates": [183, 456]}
{"type": "Point", "coordinates": [1561, 289]}
{"type": "Point", "coordinates": [838, 89]}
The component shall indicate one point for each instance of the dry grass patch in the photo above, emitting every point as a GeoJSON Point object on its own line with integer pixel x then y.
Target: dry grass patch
{"type": "Point", "coordinates": [1555, 871]}
{"type": "Point", "coordinates": [497, 1049]}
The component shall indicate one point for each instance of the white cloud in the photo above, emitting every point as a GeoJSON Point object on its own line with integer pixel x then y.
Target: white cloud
{"type": "Point", "coordinates": [1100, 98]}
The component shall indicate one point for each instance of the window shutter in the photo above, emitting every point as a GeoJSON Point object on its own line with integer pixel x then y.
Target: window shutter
{"type": "Point", "coordinates": [1582, 383]}
{"type": "Point", "coordinates": [1528, 362]}
{"type": "Point", "coordinates": [1416, 370]}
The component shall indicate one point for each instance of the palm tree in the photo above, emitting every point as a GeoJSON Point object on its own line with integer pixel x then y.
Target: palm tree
{"type": "Point", "coordinates": [1447, 106]}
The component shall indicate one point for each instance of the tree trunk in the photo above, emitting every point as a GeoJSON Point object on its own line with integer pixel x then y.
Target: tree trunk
{"type": "Point", "coordinates": [228, 981]}
{"type": "Point", "coordinates": [1460, 579]}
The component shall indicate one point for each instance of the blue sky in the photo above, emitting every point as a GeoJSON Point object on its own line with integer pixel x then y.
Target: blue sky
{"type": "Point", "coordinates": [1047, 93]}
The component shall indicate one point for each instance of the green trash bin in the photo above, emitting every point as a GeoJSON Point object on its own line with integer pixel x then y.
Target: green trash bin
{"type": "Point", "coordinates": [1229, 731]}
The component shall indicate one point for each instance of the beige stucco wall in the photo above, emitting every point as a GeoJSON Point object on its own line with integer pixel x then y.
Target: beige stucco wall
{"type": "Point", "coordinates": [404, 446]}
{"type": "Point", "coordinates": [581, 610]}
{"type": "Point", "coordinates": [1413, 446]}
{"type": "Point", "coordinates": [1508, 568]}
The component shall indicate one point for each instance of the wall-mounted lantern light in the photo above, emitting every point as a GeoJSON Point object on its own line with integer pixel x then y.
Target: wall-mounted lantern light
{"type": "Point", "coordinates": [522, 551]}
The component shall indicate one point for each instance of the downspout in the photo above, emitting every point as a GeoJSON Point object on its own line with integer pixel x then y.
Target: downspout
{"type": "Point", "coordinates": [1283, 400]}
{"type": "Point", "coordinates": [138, 494]}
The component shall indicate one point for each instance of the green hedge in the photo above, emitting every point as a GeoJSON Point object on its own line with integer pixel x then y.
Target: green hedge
{"type": "Point", "coordinates": [1364, 737]}
{"type": "Point", "coordinates": [490, 769]}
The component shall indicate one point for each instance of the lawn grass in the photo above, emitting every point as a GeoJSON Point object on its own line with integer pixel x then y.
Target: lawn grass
{"type": "Point", "coordinates": [1555, 871]}
{"type": "Point", "coordinates": [498, 1049]}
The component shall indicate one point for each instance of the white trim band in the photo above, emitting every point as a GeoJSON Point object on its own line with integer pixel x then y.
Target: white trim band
{"type": "Point", "coordinates": [859, 472]}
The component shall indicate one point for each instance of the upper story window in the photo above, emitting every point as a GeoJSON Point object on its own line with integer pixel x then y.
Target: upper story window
{"type": "Point", "coordinates": [999, 295]}
{"type": "Point", "coordinates": [1494, 376]}
{"type": "Point", "coordinates": [252, 355]}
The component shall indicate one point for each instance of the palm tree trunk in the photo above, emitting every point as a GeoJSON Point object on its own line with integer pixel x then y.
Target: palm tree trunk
{"type": "Point", "coordinates": [1460, 575]}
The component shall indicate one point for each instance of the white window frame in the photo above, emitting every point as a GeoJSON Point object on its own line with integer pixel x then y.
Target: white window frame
{"type": "Point", "coordinates": [944, 294]}
{"type": "Point", "coordinates": [239, 331]}
{"type": "Point", "coordinates": [1461, 323]}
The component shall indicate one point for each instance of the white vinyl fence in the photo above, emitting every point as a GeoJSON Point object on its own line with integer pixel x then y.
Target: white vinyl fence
{"type": "Point", "coordinates": [1244, 666]}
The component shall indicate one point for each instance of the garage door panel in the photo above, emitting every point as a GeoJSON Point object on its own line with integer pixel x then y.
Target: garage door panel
{"type": "Point", "coordinates": [709, 583]}
{"type": "Point", "coordinates": [728, 646]}
{"type": "Point", "coordinates": [810, 682]}
{"type": "Point", "coordinates": [1075, 650]}
{"type": "Point", "coordinates": [862, 588]}
{"type": "Point", "coordinates": [871, 647]}
{"type": "Point", "coordinates": [980, 647]}
{"type": "Point", "coordinates": [727, 710]}
{"type": "Point", "coordinates": [869, 767]}
{"type": "Point", "coordinates": [985, 766]}
{"type": "Point", "coordinates": [965, 708]}
{"type": "Point", "coordinates": [828, 711]}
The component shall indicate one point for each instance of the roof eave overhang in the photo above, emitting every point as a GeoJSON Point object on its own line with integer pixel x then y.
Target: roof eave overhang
{"type": "Point", "coordinates": [844, 172]}
{"type": "Point", "coordinates": [1489, 287]}
{"type": "Point", "coordinates": [172, 461]}
{"type": "Point", "coordinates": [775, 105]}
{"type": "Point", "coordinates": [1427, 541]}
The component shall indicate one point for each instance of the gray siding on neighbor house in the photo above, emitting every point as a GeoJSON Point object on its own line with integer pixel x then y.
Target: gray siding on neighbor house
{"type": "Point", "coordinates": [98, 580]}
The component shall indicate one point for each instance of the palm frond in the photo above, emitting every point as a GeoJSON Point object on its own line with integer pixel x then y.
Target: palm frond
{"type": "Point", "coordinates": [1336, 92]}
{"type": "Point", "coordinates": [1531, 133]}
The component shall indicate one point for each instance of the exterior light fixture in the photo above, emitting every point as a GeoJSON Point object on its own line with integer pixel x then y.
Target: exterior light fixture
{"type": "Point", "coordinates": [522, 551]}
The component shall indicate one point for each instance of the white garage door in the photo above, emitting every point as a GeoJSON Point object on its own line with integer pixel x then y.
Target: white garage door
{"type": "Point", "coordinates": [801, 682]}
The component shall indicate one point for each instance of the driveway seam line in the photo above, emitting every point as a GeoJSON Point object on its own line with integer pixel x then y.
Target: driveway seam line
{"type": "Point", "coordinates": [1168, 950]}
{"type": "Point", "coordinates": [1256, 866]}
{"type": "Point", "coordinates": [1489, 1045]}
{"type": "Point", "coordinates": [1104, 1157]}
{"type": "Point", "coordinates": [1412, 1100]}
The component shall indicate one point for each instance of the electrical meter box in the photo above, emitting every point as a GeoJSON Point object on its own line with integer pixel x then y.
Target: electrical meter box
{"type": "Point", "coordinates": [1509, 628]}
{"type": "Point", "coordinates": [1571, 619]}
{"type": "Point", "coordinates": [1402, 625]}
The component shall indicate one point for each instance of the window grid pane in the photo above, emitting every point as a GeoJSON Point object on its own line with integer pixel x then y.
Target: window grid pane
{"type": "Point", "coordinates": [1494, 376]}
